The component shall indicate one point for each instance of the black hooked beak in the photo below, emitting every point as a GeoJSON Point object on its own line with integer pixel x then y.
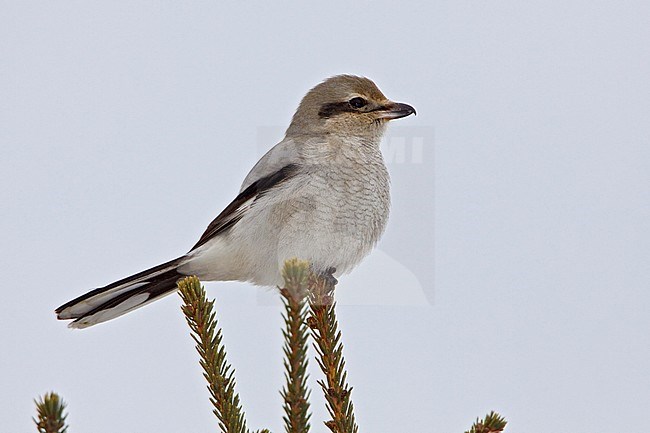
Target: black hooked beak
{"type": "Point", "coordinates": [395, 110]}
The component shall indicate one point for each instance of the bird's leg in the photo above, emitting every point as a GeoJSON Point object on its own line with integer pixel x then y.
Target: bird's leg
{"type": "Point", "coordinates": [321, 286]}
{"type": "Point", "coordinates": [328, 275]}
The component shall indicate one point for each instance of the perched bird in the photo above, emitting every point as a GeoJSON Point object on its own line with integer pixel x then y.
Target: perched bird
{"type": "Point", "coordinates": [321, 194]}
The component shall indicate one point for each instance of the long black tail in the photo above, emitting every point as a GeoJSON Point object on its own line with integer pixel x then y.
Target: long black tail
{"type": "Point", "coordinates": [106, 303]}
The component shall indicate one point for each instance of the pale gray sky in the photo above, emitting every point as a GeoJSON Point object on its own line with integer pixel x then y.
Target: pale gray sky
{"type": "Point", "coordinates": [514, 273]}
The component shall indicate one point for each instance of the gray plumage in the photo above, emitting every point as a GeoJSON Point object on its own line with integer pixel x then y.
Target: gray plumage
{"type": "Point", "coordinates": [321, 194]}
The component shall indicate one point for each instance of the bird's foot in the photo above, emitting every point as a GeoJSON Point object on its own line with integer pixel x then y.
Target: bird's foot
{"type": "Point", "coordinates": [328, 275]}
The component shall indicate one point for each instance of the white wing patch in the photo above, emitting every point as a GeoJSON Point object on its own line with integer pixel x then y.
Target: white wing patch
{"type": "Point", "coordinates": [241, 210]}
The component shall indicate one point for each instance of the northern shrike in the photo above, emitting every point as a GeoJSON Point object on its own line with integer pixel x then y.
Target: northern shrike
{"type": "Point", "coordinates": [321, 194]}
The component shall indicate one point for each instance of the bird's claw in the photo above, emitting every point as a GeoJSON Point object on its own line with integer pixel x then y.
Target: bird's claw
{"type": "Point", "coordinates": [328, 275]}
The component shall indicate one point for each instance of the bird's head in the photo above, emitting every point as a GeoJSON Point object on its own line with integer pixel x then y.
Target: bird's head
{"type": "Point", "coordinates": [346, 105]}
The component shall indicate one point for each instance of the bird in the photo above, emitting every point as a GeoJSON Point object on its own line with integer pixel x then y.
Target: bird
{"type": "Point", "coordinates": [321, 195]}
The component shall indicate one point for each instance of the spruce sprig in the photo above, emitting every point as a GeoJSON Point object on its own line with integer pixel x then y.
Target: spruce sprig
{"type": "Point", "coordinates": [200, 316]}
{"type": "Point", "coordinates": [327, 337]}
{"type": "Point", "coordinates": [492, 423]}
{"type": "Point", "coordinates": [302, 287]}
{"type": "Point", "coordinates": [50, 414]}
{"type": "Point", "coordinates": [295, 392]}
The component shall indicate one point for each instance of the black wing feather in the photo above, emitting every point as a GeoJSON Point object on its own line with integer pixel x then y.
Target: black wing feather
{"type": "Point", "coordinates": [228, 218]}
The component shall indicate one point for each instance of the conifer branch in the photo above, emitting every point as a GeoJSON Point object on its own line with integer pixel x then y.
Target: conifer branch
{"type": "Point", "coordinates": [200, 316]}
{"type": "Point", "coordinates": [322, 321]}
{"type": "Point", "coordinates": [51, 414]}
{"type": "Point", "coordinates": [309, 303]}
{"type": "Point", "coordinates": [295, 393]}
{"type": "Point", "coordinates": [492, 423]}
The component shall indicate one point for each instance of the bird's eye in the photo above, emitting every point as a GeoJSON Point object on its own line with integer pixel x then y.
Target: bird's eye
{"type": "Point", "coordinates": [358, 102]}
